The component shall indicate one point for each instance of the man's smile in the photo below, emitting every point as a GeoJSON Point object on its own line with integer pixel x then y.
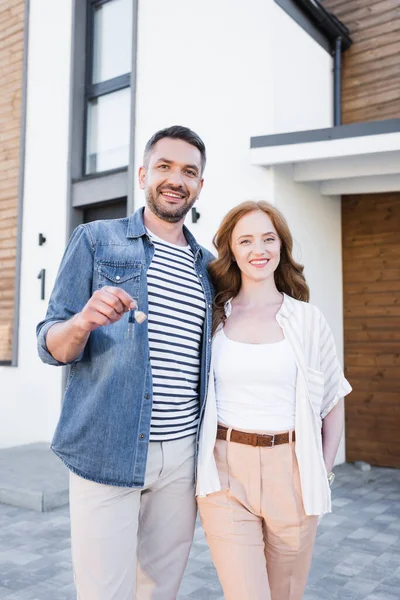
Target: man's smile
{"type": "Point", "coordinates": [172, 196]}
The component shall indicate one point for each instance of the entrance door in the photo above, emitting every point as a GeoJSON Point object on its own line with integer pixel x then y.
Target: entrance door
{"type": "Point", "coordinates": [106, 210]}
{"type": "Point", "coordinates": [371, 286]}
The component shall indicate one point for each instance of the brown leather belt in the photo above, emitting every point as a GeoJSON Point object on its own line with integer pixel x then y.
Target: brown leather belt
{"type": "Point", "coordinates": [255, 439]}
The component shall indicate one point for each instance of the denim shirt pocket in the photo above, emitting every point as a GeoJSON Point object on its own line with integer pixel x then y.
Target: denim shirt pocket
{"type": "Point", "coordinates": [120, 274]}
{"type": "Point", "coordinates": [315, 384]}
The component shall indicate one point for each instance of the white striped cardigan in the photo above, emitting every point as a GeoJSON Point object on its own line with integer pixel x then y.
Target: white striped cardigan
{"type": "Point", "coordinates": [320, 385]}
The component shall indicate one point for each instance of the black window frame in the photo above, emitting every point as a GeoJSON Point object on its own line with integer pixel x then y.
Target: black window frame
{"type": "Point", "coordinates": [93, 91]}
{"type": "Point", "coordinates": [87, 189]}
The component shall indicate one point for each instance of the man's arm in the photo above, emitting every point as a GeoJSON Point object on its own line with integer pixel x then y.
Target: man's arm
{"type": "Point", "coordinates": [332, 429]}
{"type": "Point", "coordinates": [74, 310]}
{"type": "Point", "coordinates": [66, 340]}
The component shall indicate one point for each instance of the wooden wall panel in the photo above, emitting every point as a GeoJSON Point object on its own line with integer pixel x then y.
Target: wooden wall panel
{"type": "Point", "coordinates": [371, 67]}
{"type": "Point", "coordinates": [371, 290]}
{"type": "Point", "coordinates": [11, 76]}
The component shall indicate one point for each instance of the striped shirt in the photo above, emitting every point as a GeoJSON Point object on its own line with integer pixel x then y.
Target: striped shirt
{"type": "Point", "coordinates": [176, 318]}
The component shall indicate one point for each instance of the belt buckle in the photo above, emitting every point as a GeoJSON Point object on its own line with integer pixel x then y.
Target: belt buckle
{"type": "Point", "coordinates": [271, 435]}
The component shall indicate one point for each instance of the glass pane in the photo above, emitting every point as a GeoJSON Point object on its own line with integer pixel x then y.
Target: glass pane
{"type": "Point", "coordinates": [112, 43]}
{"type": "Point", "coordinates": [108, 131]}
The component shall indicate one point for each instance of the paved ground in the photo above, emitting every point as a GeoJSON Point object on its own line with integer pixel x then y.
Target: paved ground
{"type": "Point", "coordinates": [357, 555]}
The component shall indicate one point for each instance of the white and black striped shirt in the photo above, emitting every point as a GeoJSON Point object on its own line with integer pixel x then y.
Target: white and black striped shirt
{"type": "Point", "coordinates": [176, 318]}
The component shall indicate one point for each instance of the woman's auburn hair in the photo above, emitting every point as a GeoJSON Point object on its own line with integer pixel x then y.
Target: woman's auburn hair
{"type": "Point", "coordinates": [225, 273]}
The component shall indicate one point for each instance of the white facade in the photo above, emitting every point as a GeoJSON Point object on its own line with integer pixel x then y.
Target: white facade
{"type": "Point", "coordinates": [31, 392]}
{"type": "Point", "coordinates": [303, 82]}
{"type": "Point", "coordinates": [227, 70]}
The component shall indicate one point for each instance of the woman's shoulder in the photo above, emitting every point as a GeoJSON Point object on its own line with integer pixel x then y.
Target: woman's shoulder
{"type": "Point", "coordinates": [299, 309]}
{"type": "Point", "coordinates": [300, 306]}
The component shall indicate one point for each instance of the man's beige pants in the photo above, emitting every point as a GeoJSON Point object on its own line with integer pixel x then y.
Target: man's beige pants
{"type": "Point", "coordinates": [260, 539]}
{"type": "Point", "coordinates": [133, 544]}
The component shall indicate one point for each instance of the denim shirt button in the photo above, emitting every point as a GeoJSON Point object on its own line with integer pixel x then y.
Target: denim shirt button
{"type": "Point", "coordinates": [147, 396]}
{"type": "Point", "coordinates": [142, 436]}
{"type": "Point", "coordinates": [200, 275]}
{"type": "Point", "coordinates": [118, 278]}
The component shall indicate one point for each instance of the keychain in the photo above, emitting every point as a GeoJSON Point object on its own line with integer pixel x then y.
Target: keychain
{"type": "Point", "coordinates": [134, 315]}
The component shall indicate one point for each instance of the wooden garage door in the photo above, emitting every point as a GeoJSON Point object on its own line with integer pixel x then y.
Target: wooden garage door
{"type": "Point", "coordinates": [371, 285]}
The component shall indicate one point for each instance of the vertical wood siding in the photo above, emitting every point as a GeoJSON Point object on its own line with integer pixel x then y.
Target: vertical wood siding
{"type": "Point", "coordinates": [371, 285]}
{"type": "Point", "coordinates": [11, 64]}
{"type": "Point", "coordinates": [371, 67]}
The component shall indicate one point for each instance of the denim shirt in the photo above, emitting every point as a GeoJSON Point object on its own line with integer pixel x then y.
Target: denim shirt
{"type": "Point", "coordinates": [104, 428]}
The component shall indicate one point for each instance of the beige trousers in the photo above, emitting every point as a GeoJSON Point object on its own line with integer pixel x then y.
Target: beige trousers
{"type": "Point", "coordinates": [260, 538]}
{"type": "Point", "coordinates": [133, 544]}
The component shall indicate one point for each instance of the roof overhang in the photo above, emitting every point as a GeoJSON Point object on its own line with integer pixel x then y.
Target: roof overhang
{"type": "Point", "coordinates": [349, 159]}
{"type": "Point", "coordinates": [321, 24]}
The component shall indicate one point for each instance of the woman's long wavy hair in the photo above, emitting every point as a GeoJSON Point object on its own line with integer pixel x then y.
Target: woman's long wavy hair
{"type": "Point", "coordinates": [225, 273]}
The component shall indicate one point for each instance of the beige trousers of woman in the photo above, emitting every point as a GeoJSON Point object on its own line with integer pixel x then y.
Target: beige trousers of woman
{"type": "Point", "coordinates": [260, 538]}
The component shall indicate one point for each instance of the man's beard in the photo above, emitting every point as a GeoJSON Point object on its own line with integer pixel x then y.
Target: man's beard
{"type": "Point", "coordinates": [171, 216]}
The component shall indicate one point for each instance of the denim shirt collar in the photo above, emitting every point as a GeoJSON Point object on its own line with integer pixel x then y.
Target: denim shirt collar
{"type": "Point", "coordinates": [136, 229]}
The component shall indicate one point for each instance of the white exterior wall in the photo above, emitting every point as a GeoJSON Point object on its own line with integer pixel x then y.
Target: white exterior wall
{"type": "Point", "coordinates": [31, 393]}
{"type": "Point", "coordinates": [303, 88]}
{"type": "Point", "coordinates": [228, 71]}
{"type": "Point", "coordinates": [315, 223]}
{"type": "Point", "coordinates": [208, 65]}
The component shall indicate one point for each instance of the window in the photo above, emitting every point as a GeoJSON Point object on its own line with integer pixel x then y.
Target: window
{"type": "Point", "coordinates": [102, 130]}
{"type": "Point", "coordinates": [108, 77]}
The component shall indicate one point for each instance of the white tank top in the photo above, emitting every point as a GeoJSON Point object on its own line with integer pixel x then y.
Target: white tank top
{"type": "Point", "coordinates": [255, 384]}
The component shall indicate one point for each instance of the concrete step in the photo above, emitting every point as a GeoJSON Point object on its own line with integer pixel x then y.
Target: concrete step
{"type": "Point", "coordinates": [31, 476]}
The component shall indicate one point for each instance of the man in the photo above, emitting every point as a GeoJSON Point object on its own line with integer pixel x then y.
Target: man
{"type": "Point", "coordinates": [135, 393]}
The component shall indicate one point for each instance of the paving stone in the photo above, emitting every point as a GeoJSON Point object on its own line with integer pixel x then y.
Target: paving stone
{"type": "Point", "coordinates": [391, 582]}
{"type": "Point", "coordinates": [356, 557]}
{"type": "Point", "coordinates": [353, 564]}
{"type": "Point", "coordinates": [375, 572]}
{"type": "Point", "coordinates": [332, 537]}
{"type": "Point", "coordinates": [339, 502]}
{"type": "Point", "coordinates": [190, 584]}
{"type": "Point", "coordinates": [385, 538]}
{"type": "Point", "coordinates": [22, 481]}
{"type": "Point", "coordinates": [363, 533]}
{"type": "Point", "coordinates": [389, 559]}
{"type": "Point", "coordinates": [358, 588]}
{"type": "Point", "coordinates": [385, 518]}
{"type": "Point", "coordinates": [331, 584]}
{"type": "Point", "coordinates": [377, 507]}
{"type": "Point", "coordinates": [394, 496]}
{"type": "Point", "coordinates": [383, 595]}
{"type": "Point", "coordinates": [332, 520]}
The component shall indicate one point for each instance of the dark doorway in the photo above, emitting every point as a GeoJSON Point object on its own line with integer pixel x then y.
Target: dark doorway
{"type": "Point", "coordinates": [105, 210]}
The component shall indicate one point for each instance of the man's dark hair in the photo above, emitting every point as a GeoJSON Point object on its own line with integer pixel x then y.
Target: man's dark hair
{"type": "Point", "coordinates": [177, 132]}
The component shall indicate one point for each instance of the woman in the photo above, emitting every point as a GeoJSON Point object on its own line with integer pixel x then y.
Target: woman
{"type": "Point", "coordinates": [274, 416]}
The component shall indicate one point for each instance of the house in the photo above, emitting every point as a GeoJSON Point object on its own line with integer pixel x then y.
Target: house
{"type": "Point", "coordinates": [298, 102]}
